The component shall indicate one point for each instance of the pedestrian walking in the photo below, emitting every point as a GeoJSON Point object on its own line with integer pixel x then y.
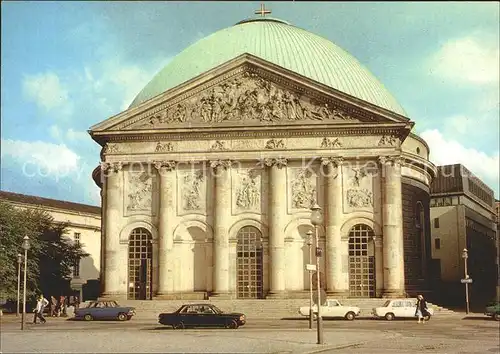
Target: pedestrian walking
{"type": "Point", "coordinates": [421, 310]}
{"type": "Point", "coordinates": [53, 306]}
{"type": "Point", "coordinates": [40, 306]}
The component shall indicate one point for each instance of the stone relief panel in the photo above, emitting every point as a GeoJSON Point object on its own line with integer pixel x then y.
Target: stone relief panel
{"type": "Point", "coordinates": [247, 187]}
{"type": "Point", "coordinates": [302, 188]}
{"type": "Point", "coordinates": [219, 146]}
{"type": "Point", "coordinates": [275, 144]}
{"type": "Point", "coordinates": [389, 140]}
{"type": "Point", "coordinates": [333, 143]}
{"type": "Point", "coordinates": [247, 97]}
{"type": "Point", "coordinates": [358, 187]}
{"type": "Point", "coordinates": [164, 147]}
{"type": "Point", "coordinates": [192, 191]}
{"type": "Point", "coordinates": [139, 192]}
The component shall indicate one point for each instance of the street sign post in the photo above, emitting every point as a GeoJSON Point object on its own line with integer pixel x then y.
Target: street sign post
{"type": "Point", "coordinates": [466, 281]}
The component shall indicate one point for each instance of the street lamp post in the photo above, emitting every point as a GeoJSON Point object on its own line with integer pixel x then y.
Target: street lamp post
{"type": "Point", "coordinates": [19, 261]}
{"type": "Point", "coordinates": [26, 246]}
{"type": "Point", "coordinates": [309, 243]}
{"type": "Point", "coordinates": [465, 256]}
{"type": "Point", "coordinates": [316, 220]}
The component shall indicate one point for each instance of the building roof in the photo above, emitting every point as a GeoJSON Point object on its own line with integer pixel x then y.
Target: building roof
{"type": "Point", "coordinates": [54, 203]}
{"type": "Point", "coordinates": [282, 44]}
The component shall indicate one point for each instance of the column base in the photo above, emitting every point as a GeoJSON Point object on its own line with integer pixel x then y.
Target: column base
{"type": "Point", "coordinates": [277, 295]}
{"type": "Point", "coordinates": [391, 294]}
{"type": "Point", "coordinates": [338, 294]}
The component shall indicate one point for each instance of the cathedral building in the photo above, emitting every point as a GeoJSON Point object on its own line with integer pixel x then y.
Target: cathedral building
{"type": "Point", "coordinates": [208, 178]}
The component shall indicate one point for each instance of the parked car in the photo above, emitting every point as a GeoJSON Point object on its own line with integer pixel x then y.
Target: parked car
{"type": "Point", "coordinates": [493, 310]}
{"type": "Point", "coordinates": [103, 310]}
{"type": "Point", "coordinates": [332, 309]}
{"type": "Point", "coordinates": [201, 315]}
{"type": "Point", "coordinates": [399, 308]}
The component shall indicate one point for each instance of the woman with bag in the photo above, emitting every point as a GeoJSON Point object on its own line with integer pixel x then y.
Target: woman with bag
{"type": "Point", "coordinates": [421, 309]}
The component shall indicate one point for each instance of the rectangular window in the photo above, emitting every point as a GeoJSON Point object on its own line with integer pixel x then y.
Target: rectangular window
{"type": "Point", "coordinates": [77, 238]}
{"type": "Point", "coordinates": [437, 243]}
{"type": "Point", "coordinates": [436, 223]}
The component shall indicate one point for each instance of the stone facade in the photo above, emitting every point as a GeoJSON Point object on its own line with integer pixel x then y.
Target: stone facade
{"type": "Point", "coordinates": [220, 173]}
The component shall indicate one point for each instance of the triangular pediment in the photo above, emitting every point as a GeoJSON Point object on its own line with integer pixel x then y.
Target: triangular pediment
{"type": "Point", "coordinates": [244, 92]}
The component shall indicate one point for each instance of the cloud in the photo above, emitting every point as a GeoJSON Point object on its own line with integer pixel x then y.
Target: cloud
{"type": "Point", "coordinates": [41, 157]}
{"type": "Point", "coordinates": [447, 151]}
{"type": "Point", "coordinates": [46, 90]}
{"type": "Point", "coordinates": [70, 134]}
{"type": "Point", "coordinates": [469, 59]}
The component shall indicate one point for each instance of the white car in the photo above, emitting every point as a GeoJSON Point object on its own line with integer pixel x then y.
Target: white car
{"type": "Point", "coordinates": [399, 308]}
{"type": "Point", "coordinates": [333, 308]}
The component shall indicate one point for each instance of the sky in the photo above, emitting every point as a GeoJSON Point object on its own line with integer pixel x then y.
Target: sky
{"type": "Point", "coordinates": [69, 65]}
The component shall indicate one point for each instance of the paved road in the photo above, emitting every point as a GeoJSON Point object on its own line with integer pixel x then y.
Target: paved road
{"type": "Point", "coordinates": [450, 334]}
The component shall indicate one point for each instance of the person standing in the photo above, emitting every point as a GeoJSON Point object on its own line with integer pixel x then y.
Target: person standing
{"type": "Point", "coordinates": [421, 309]}
{"type": "Point", "coordinates": [40, 306]}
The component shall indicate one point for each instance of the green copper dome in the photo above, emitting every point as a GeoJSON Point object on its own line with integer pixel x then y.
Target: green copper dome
{"type": "Point", "coordinates": [282, 44]}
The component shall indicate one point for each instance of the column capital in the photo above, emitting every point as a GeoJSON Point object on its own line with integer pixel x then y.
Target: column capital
{"type": "Point", "coordinates": [111, 166]}
{"type": "Point", "coordinates": [165, 165]}
{"type": "Point", "coordinates": [395, 160]}
{"type": "Point", "coordinates": [279, 162]}
{"type": "Point", "coordinates": [336, 161]}
{"type": "Point", "coordinates": [225, 164]}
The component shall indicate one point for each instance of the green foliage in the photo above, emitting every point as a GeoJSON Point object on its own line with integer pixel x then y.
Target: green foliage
{"type": "Point", "coordinates": [50, 257]}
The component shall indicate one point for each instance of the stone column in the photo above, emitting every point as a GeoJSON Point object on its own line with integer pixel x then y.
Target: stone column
{"type": "Point", "coordinates": [112, 215]}
{"type": "Point", "coordinates": [379, 266]}
{"type": "Point", "coordinates": [166, 223]}
{"type": "Point", "coordinates": [276, 221]}
{"type": "Point", "coordinates": [392, 215]}
{"type": "Point", "coordinates": [222, 220]}
{"type": "Point", "coordinates": [333, 222]}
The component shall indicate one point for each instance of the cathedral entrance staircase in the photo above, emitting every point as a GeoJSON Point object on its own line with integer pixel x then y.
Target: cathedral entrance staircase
{"type": "Point", "coordinates": [257, 309]}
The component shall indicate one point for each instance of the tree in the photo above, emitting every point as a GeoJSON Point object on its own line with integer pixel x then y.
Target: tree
{"type": "Point", "coordinates": [50, 257]}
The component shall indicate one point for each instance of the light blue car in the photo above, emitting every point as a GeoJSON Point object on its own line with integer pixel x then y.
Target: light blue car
{"type": "Point", "coordinates": [104, 310]}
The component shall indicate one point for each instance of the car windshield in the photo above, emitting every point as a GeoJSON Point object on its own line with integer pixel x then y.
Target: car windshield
{"type": "Point", "coordinates": [386, 304]}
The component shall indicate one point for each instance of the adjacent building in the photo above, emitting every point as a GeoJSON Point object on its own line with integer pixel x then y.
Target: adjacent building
{"type": "Point", "coordinates": [463, 216]}
{"type": "Point", "coordinates": [209, 176]}
{"type": "Point", "coordinates": [83, 226]}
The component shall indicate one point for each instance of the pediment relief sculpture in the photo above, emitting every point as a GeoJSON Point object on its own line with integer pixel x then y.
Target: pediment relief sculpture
{"type": "Point", "coordinates": [164, 147]}
{"type": "Point", "coordinates": [245, 98]}
{"type": "Point", "coordinates": [330, 143]}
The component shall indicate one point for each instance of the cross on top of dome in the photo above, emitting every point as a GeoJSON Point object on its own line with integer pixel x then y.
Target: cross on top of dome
{"type": "Point", "coordinates": [262, 11]}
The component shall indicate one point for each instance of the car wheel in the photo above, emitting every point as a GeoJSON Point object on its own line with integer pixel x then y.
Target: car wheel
{"type": "Point", "coordinates": [389, 316]}
{"type": "Point", "coordinates": [350, 316]}
{"type": "Point", "coordinates": [179, 325]}
{"type": "Point", "coordinates": [88, 317]}
{"type": "Point", "coordinates": [122, 316]}
{"type": "Point", "coordinates": [232, 325]}
{"type": "Point", "coordinates": [496, 316]}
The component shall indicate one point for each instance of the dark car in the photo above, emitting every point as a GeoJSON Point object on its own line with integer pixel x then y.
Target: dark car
{"type": "Point", "coordinates": [493, 310]}
{"type": "Point", "coordinates": [201, 315]}
{"type": "Point", "coordinates": [103, 310]}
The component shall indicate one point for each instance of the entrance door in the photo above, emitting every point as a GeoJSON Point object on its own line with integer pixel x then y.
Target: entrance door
{"type": "Point", "coordinates": [361, 262]}
{"type": "Point", "coordinates": [249, 263]}
{"type": "Point", "coordinates": [140, 254]}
